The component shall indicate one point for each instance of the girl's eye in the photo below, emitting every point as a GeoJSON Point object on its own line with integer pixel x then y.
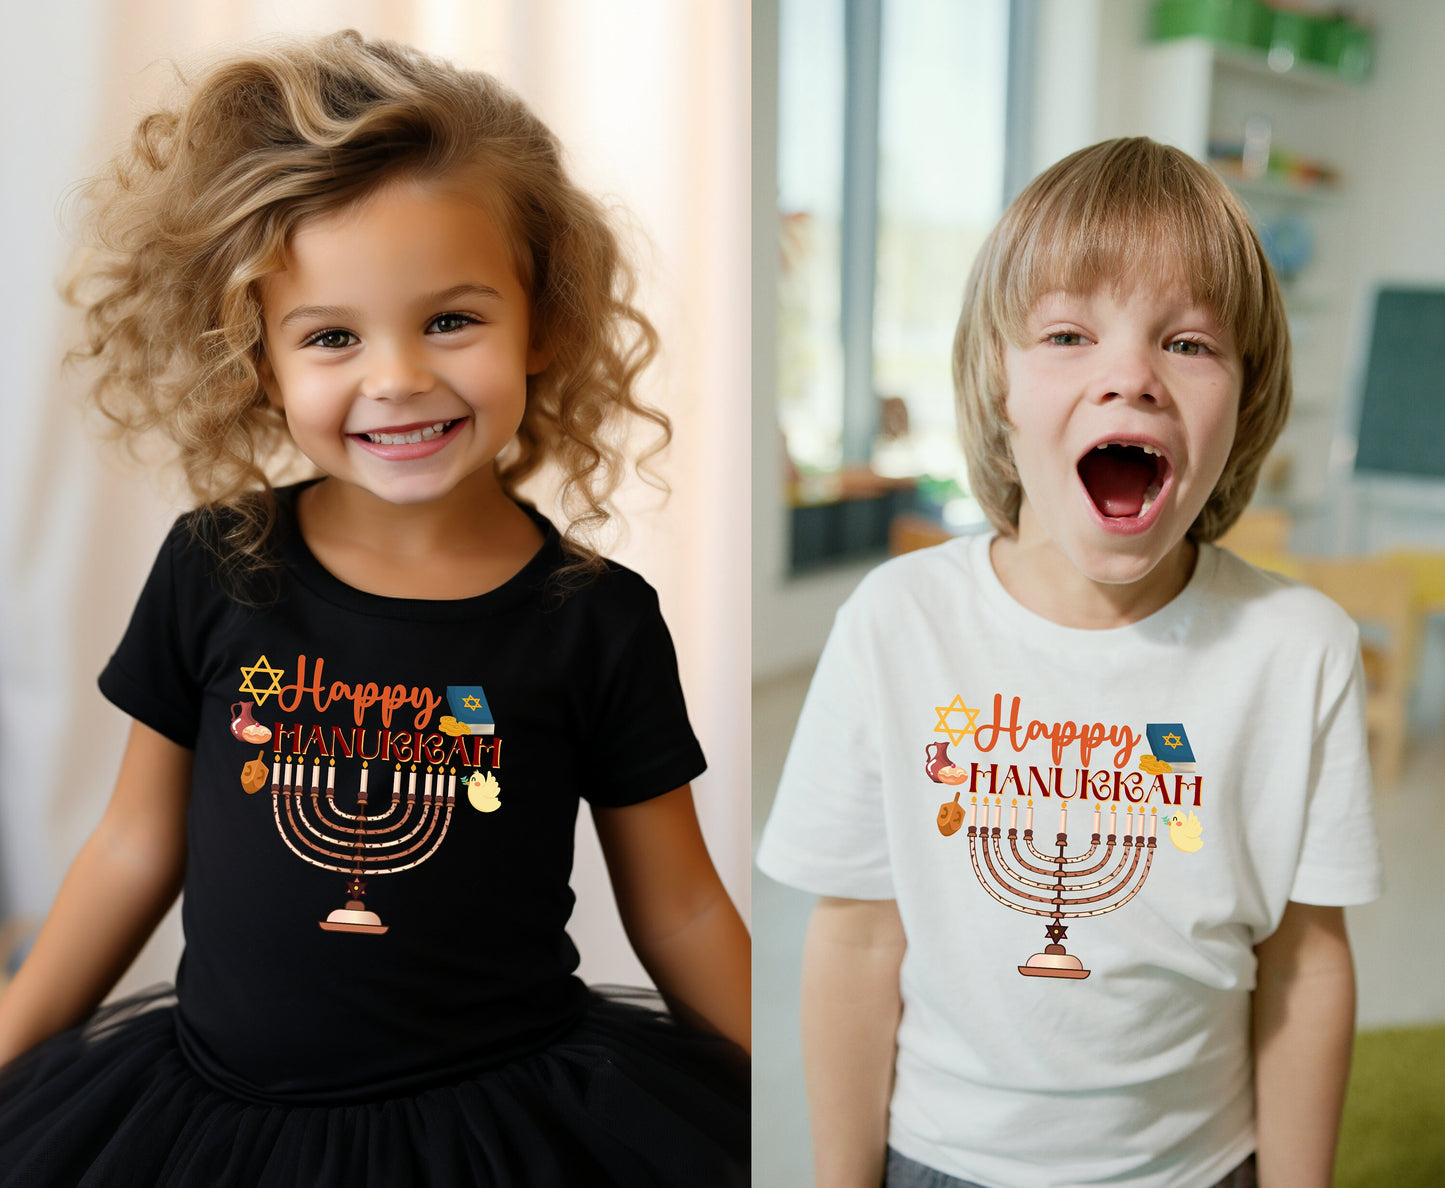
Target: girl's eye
{"type": "Point", "coordinates": [1188, 346]}
{"type": "Point", "coordinates": [1066, 338]}
{"type": "Point", "coordinates": [449, 323]}
{"type": "Point", "coordinates": [333, 340]}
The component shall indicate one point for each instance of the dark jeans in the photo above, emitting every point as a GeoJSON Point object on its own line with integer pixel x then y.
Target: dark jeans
{"type": "Point", "coordinates": [905, 1173]}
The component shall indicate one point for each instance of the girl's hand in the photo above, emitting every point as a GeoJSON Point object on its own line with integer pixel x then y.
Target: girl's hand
{"type": "Point", "coordinates": [682, 925]}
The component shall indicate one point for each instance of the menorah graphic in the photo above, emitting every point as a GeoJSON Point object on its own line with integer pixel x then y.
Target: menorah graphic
{"type": "Point", "coordinates": [400, 837]}
{"type": "Point", "coordinates": [1072, 892]}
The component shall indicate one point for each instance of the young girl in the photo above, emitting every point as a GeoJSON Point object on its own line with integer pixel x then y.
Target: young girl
{"type": "Point", "coordinates": [366, 706]}
{"type": "Point", "coordinates": [1094, 790]}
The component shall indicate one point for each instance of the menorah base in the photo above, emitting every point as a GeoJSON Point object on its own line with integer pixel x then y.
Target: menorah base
{"type": "Point", "coordinates": [1053, 962]}
{"type": "Point", "coordinates": [353, 918]}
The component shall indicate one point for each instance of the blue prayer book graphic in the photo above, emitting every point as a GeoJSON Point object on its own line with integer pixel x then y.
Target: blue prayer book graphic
{"type": "Point", "coordinates": [1169, 743]}
{"type": "Point", "coordinates": [469, 707]}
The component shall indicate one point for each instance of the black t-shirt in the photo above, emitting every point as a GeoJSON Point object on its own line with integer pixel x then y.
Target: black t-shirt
{"type": "Point", "coordinates": [338, 950]}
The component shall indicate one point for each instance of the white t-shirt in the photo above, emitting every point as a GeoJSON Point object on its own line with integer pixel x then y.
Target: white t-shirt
{"type": "Point", "coordinates": [1139, 1073]}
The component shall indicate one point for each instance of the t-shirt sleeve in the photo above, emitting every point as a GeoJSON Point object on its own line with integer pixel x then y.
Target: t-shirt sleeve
{"type": "Point", "coordinates": [643, 744]}
{"type": "Point", "coordinates": [1339, 860]}
{"type": "Point", "coordinates": [152, 675]}
{"type": "Point", "coordinates": [827, 832]}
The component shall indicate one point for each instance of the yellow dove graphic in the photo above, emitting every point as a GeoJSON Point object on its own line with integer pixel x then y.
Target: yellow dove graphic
{"type": "Point", "coordinates": [1185, 832]}
{"type": "Point", "coordinates": [484, 792]}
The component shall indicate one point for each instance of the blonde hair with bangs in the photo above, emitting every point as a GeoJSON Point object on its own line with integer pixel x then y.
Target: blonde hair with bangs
{"type": "Point", "coordinates": [188, 220]}
{"type": "Point", "coordinates": [1114, 214]}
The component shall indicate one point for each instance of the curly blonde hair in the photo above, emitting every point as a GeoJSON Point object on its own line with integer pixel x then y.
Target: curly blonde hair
{"type": "Point", "coordinates": [190, 218]}
{"type": "Point", "coordinates": [1108, 215]}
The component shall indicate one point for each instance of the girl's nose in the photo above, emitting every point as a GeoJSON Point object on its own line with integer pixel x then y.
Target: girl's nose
{"type": "Point", "coordinates": [395, 373]}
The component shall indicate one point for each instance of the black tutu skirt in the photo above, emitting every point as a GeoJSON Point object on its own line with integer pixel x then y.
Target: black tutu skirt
{"type": "Point", "coordinates": [627, 1098]}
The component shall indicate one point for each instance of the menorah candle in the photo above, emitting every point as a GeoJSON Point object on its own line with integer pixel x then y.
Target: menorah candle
{"type": "Point", "coordinates": [1114, 819]}
{"type": "Point", "coordinates": [1013, 815]}
{"type": "Point", "coordinates": [396, 782]}
{"type": "Point", "coordinates": [998, 812]}
{"type": "Point", "coordinates": [452, 784]}
{"type": "Point", "coordinates": [411, 784]}
{"type": "Point", "coordinates": [1154, 823]}
{"type": "Point", "coordinates": [276, 772]}
{"type": "Point", "coordinates": [426, 784]}
{"type": "Point", "coordinates": [1063, 818]}
{"type": "Point", "coordinates": [1029, 817]}
{"type": "Point", "coordinates": [331, 778]}
{"type": "Point", "coordinates": [286, 780]}
{"type": "Point", "coordinates": [973, 813]}
{"type": "Point", "coordinates": [315, 777]}
{"type": "Point", "coordinates": [1097, 811]}
{"type": "Point", "coordinates": [363, 779]}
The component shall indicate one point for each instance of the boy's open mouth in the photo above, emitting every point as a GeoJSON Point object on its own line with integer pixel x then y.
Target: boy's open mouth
{"type": "Point", "coordinates": [1123, 479]}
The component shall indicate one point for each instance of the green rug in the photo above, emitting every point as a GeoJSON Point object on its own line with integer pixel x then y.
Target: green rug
{"type": "Point", "coordinates": [1393, 1135]}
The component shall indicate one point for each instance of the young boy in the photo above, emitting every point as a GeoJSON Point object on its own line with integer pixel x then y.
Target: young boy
{"type": "Point", "coordinates": [1188, 730]}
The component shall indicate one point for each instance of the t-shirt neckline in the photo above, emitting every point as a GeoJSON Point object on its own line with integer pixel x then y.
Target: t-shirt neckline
{"type": "Point", "coordinates": [522, 586]}
{"type": "Point", "coordinates": [1170, 621]}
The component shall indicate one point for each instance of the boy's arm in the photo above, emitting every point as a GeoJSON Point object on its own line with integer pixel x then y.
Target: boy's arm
{"type": "Point", "coordinates": [1304, 1025]}
{"type": "Point", "coordinates": [682, 925]}
{"type": "Point", "coordinates": [851, 1007]}
{"type": "Point", "coordinates": [120, 885]}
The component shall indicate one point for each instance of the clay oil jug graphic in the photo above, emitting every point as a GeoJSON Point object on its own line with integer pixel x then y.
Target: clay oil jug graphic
{"type": "Point", "coordinates": [941, 770]}
{"type": "Point", "coordinates": [245, 727]}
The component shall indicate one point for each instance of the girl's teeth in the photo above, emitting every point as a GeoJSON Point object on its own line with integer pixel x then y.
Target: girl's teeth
{"type": "Point", "coordinates": [1149, 496]}
{"type": "Point", "coordinates": [412, 438]}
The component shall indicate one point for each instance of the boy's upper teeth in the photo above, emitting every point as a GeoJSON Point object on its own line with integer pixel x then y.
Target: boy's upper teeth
{"type": "Point", "coordinates": [411, 438]}
{"type": "Point", "coordinates": [1148, 449]}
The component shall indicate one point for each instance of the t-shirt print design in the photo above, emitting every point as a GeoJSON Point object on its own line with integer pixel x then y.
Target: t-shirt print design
{"type": "Point", "coordinates": [1063, 886]}
{"type": "Point", "coordinates": [318, 823]}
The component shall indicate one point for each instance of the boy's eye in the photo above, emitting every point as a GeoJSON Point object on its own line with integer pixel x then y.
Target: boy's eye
{"type": "Point", "coordinates": [333, 340]}
{"type": "Point", "coordinates": [1066, 338]}
{"type": "Point", "coordinates": [1188, 346]}
{"type": "Point", "coordinates": [449, 323]}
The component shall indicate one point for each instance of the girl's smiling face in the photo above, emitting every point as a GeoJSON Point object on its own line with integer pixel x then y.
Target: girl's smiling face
{"type": "Point", "coordinates": [398, 343]}
{"type": "Point", "coordinates": [1122, 408]}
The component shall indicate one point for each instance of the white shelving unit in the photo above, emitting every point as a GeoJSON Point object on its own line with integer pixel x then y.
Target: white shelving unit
{"type": "Point", "coordinates": [1194, 91]}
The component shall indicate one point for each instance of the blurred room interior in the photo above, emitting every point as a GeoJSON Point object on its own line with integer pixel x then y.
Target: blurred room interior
{"type": "Point", "coordinates": [888, 137]}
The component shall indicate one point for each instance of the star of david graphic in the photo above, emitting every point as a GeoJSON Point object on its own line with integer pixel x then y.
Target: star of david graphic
{"type": "Point", "coordinates": [956, 734]}
{"type": "Point", "coordinates": [1056, 931]}
{"type": "Point", "coordinates": [1173, 740]}
{"type": "Point", "coordinates": [249, 684]}
{"type": "Point", "coordinates": [472, 703]}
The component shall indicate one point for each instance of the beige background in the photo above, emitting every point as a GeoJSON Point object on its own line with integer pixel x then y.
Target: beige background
{"type": "Point", "coordinates": [651, 99]}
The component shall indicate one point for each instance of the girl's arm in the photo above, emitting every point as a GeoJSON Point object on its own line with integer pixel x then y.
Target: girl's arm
{"type": "Point", "coordinates": [851, 1007]}
{"type": "Point", "coordinates": [119, 887]}
{"type": "Point", "coordinates": [1304, 1026]}
{"type": "Point", "coordinates": [682, 925]}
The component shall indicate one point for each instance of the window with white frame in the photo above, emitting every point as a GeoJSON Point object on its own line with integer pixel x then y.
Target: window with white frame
{"type": "Point", "coordinates": [895, 131]}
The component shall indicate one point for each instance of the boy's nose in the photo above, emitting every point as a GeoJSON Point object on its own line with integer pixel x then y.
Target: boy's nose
{"type": "Point", "coordinates": [1129, 374]}
{"type": "Point", "coordinates": [395, 374]}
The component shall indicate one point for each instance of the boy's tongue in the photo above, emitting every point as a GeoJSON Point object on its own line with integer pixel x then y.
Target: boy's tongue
{"type": "Point", "coordinates": [1117, 479]}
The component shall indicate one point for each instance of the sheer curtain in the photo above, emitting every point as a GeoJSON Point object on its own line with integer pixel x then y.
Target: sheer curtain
{"type": "Point", "coordinates": [650, 98]}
